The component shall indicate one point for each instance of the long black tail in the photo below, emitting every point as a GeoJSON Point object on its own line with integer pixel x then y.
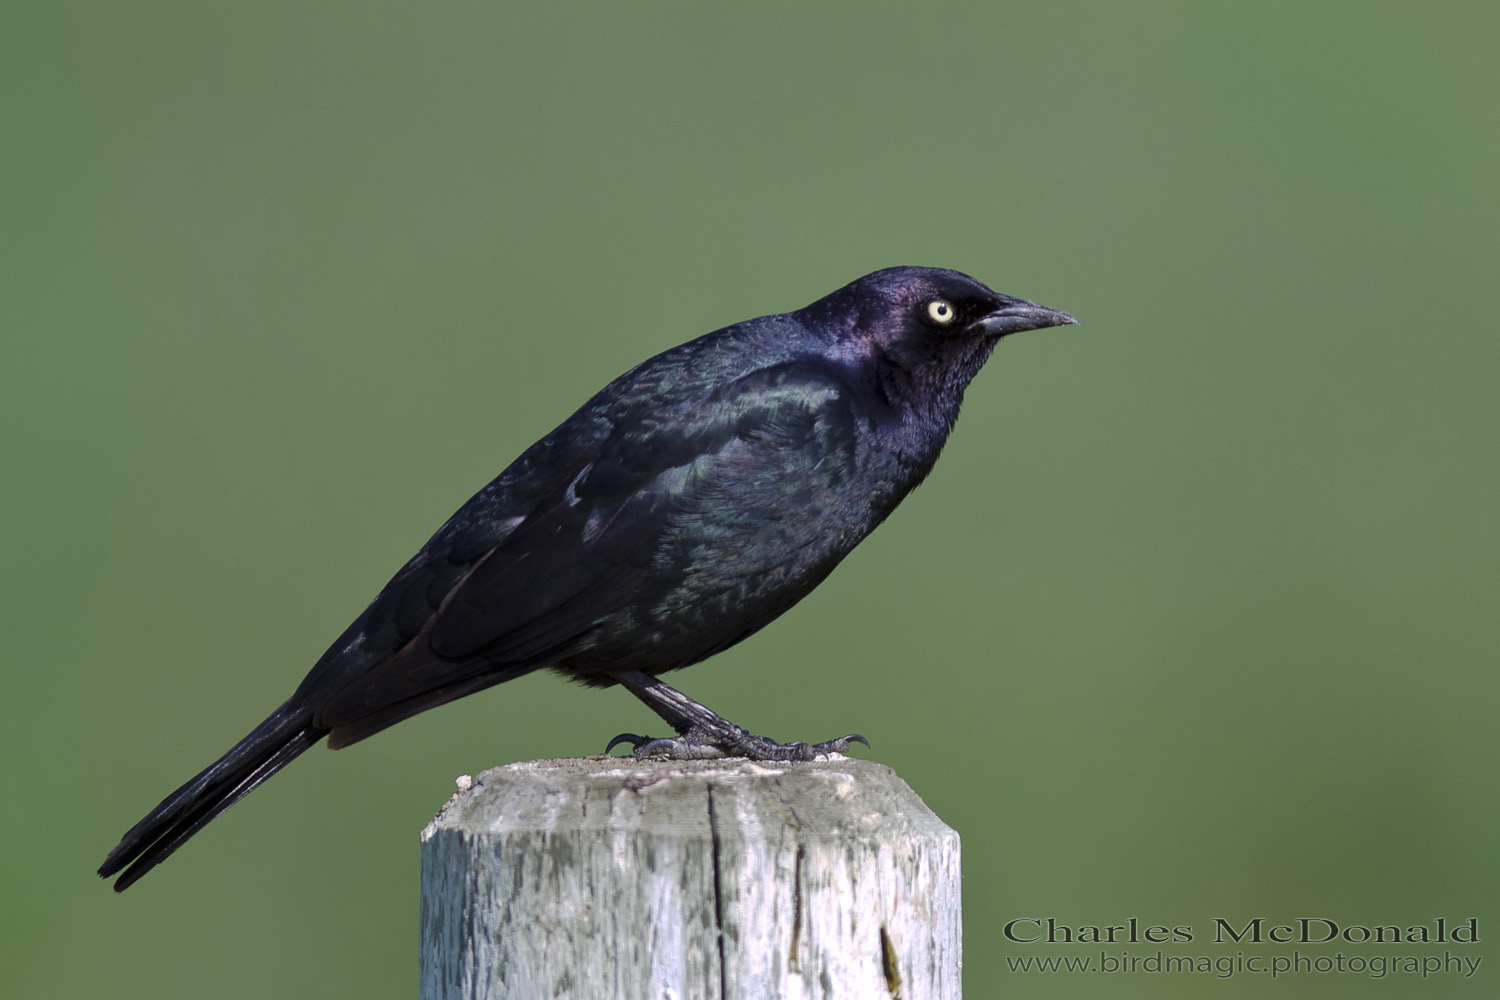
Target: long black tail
{"type": "Point", "coordinates": [272, 745]}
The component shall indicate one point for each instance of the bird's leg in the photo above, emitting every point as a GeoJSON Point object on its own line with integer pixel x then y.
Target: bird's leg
{"type": "Point", "coordinates": [704, 734]}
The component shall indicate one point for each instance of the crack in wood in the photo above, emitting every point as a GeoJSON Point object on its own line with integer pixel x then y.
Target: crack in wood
{"type": "Point", "coordinates": [713, 828]}
{"type": "Point", "coordinates": [792, 962]}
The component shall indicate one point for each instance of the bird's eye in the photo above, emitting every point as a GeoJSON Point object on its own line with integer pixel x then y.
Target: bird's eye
{"type": "Point", "coordinates": [941, 311]}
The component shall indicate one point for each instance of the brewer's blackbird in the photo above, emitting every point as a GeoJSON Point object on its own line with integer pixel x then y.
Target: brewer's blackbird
{"type": "Point", "coordinates": [694, 499]}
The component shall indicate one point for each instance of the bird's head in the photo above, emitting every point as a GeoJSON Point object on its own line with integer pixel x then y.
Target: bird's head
{"type": "Point", "coordinates": [925, 331]}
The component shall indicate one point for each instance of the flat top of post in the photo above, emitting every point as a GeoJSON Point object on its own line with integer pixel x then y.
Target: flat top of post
{"type": "Point", "coordinates": [581, 793]}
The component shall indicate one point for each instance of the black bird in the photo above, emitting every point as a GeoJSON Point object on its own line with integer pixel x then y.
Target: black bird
{"type": "Point", "coordinates": [693, 500]}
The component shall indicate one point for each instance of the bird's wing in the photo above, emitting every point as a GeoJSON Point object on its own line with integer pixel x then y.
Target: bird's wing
{"type": "Point", "coordinates": [586, 551]}
{"type": "Point", "coordinates": [591, 543]}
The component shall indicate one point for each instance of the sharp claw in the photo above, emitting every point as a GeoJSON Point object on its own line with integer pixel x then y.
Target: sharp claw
{"type": "Point", "coordinates": [631, 738]}
{"type": "Point", "coordinates": [841, 744]}
{"type": "Point", "coordinates": [663, 747]}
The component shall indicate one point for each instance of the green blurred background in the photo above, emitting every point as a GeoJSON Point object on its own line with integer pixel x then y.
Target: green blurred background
{"type": "Point", "coordinates": [1196, 617]}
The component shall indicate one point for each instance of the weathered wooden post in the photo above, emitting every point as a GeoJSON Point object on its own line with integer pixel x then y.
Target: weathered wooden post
{"type": "Point", "coordinates": [641, 880]}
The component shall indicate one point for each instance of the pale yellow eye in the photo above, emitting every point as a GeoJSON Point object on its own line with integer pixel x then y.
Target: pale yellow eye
{"type": "Point", "coordinates": [941, 311]}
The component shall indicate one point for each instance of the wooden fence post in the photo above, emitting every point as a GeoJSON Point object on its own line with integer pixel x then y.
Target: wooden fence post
{"type": "Point", "coordinates": [617, 878]}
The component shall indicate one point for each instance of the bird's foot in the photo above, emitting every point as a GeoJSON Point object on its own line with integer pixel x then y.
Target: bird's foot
{"type": "Point", "coordinates": [708, 744]}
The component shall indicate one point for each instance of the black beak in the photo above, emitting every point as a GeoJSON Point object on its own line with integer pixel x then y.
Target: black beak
{"type": "Point", "coordinates": [1017, 315]}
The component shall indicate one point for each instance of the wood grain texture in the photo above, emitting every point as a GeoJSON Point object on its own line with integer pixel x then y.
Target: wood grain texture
{"type": "Point", "coordinates": [603, 878]}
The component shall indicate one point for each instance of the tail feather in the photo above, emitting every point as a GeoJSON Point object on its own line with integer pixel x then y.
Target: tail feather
{"type": "Point", "coordinates": [272, 745]}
